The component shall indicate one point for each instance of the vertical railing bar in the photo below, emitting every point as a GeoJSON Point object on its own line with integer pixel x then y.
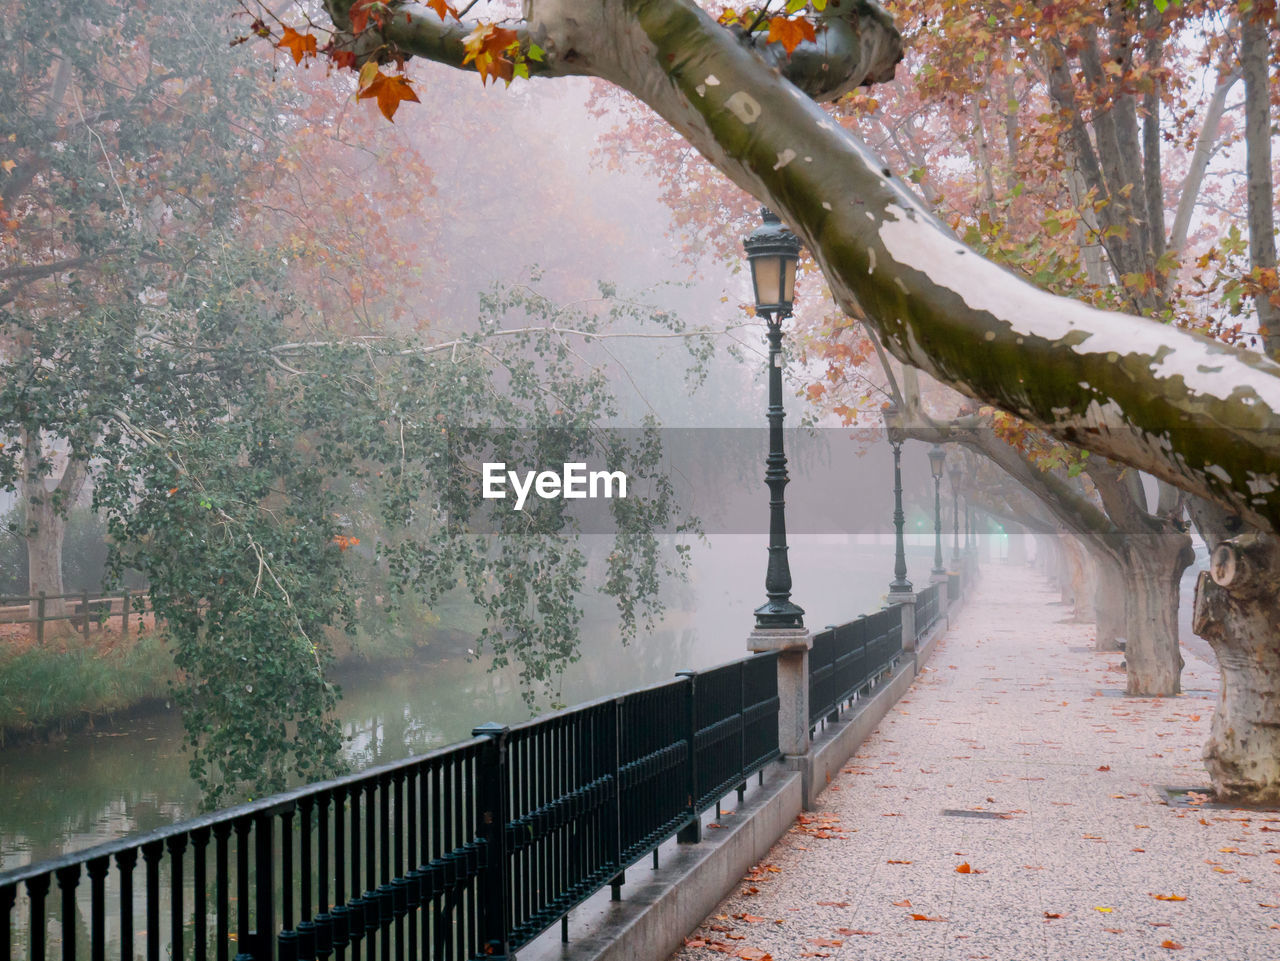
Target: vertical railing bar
{"type": "Point", "coordinates": [98, 869]}
{"type": "Point", "coordinates": [372, 907]}
{"type": "Point", "coordinates": [199, 883]}
{"type": "Point", "coordinates": [151, 854]}
{"type": "Point", "coordinates": [355, 906]}
{"type": "Point", "coordinates": [221, 883]}
{"type": "Point", "coordinates": [243, 937]}
{"type": "Point", "coordinates": [287, 940]}
{"type": "Point", "coordinates": [177, 845]}
{"type": "Point", "coordinates": [308, 879]}
{"type": "Point", "coordinates": [68, 879]}
{"type": "Point", "coordinates": [37, 890]}
{"type": "Point", "coordinates": [339, 914]}
{"type": "Point", "coordinates": [8, 898]}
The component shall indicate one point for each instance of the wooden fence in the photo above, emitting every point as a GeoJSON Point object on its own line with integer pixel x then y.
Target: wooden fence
{"type": "Point", "coordinates": [84, 609]}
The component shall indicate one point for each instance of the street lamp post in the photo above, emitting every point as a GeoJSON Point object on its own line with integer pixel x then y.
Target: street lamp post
{"type": "Point", "coordinates": [937, 460]}
{"type": "Point", "coordinates": [772, 251]}
{"type": "Point", "coordinates": [954, 474]}
{"type": "Point", "coordinates": [899, 584]}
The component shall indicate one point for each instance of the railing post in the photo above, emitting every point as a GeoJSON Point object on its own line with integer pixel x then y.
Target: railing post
{"type": "Point", "coordinates": [793, 646]}
{"type": "Point", "coordinates": [84, 611]}
{"type": "Point", "coordinates": [495, 881]}
{"type": "Point", "coordinates": [906, 603]}
{"type": "Point", "coordinates": [692, 832]}
{"type": "Point", "coordinates": [124, 614]}
{"type": "Point", "coordinates": [40, 618]}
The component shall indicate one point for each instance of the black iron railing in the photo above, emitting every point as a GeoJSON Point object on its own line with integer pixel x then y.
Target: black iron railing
{"type": "Point", "coordinates": [953, 586]}
{"type": "Point", "coordinates": [928, 608]}
{"type": "Point", "coordinates": [467, 852]}
{"type": "Point", "coordinates": [849, 657]}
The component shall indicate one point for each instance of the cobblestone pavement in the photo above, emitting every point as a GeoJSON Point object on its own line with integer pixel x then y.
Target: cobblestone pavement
{"type": "Point", "coordinates": [1083, 860]}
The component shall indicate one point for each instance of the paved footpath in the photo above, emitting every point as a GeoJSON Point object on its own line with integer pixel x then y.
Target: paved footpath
{"type": "Point", "coordinates": [1085, 863]}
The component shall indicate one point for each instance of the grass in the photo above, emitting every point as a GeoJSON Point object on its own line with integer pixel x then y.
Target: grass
{"type": "Point", "coordinates": [68, 682]}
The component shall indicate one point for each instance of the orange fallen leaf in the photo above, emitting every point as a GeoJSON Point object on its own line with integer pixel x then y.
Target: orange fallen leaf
{"type": "Point", "coordinates": [848, 932]}
{"type": "Point", "coordinates": [833, 904]}
{"type": "Point", "coordinates": [904, 903]}
{"type": "Point", "coordinates": [1114, 930]}
{"type": "Point", "coordinates": [750, 918]}
{"type": "Point", "coordinates": [753, 954]}
{"type": "Point", "coordinates": [1171, 945]}
{"type": "Point", "coordinates": [1052, 914]}
{"type": "Point", "coordinates": [825, 942]}
{"type": "Point", "coordinates": [897, 862]}
{"type": "Point", "coordinates": [925, 917]}
{"type": "Point", "coordinates": [1169, 897]}
{"type": "Point", "coordinates": [966, 869]}
{"type": "Point", "coordinates": [1105, 767]}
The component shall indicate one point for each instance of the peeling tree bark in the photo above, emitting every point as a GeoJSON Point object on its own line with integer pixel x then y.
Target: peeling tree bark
{"type": "Point", "coordinates": [1199, 414]}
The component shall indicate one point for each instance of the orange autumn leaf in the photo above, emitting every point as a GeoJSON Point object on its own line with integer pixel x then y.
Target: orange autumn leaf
{"type": "Point", "coordinates": [389, 90]}
{"type": "Point", "coordinates": [847, 932]}
{"type": "Point", "coordinates": [359, 14]}
{"type": "Point", "coordinates": [904, 903]}
{"type": "Point", "coordinates": [925, 917]}
{"type": "Point", "coordinates": [1171, 945]}
{"type": "Point", "coordinates": [790, 33]}
{"type": "Point", "coordinates": [442, 9]}
{"type": "Point", "coordinates": [753, 954]}
{"type": "Point", "coordinates": [897, 862]}
{"type": "Point", "coordinates": [298, 44]}
{"type": "Point", "coordinates": [966, 869]}
{"type": "Point", "coordinates": [1169, 897]}
{"type": "Point", "coordinates": [486, 46]}
{"type": "Point", "coordinates": [825, 942]}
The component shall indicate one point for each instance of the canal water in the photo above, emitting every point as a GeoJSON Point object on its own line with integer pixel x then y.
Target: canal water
{"type": "Point", "coordinates": [95, 786]}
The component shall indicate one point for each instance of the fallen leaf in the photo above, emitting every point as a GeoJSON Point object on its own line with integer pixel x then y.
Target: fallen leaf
{"type": "Point", "coordinates": [1104, 910]}
{"type": "Point", "coordinates": [1114, 930]}
{"type": "Point", "coordinates": [1169, 897]}
{"type": "Point", "coordinates": [753, 954]}
{"type": "Point", "coordinates": [833, 904]}
{"type": "Point", "coordinates": [897, 862]}
{"type": "Point", "coordinates": [966, 869]}
{"type": "Point", "coordinates": [750, 918]}
{"type": "Point", "coordinates": [1171, 945]}
{"type": "Point", "coordinates": [1105, 767]}
{"type": "Point", "coordinates": [925, 917]}
{"type": "Point", "coordinates": [904, 903]}
{"type": "Point", "coordinates": [849, 932]}
{"type": "Point", "coordinates": [1052, 914]}
{"type": "Point", "coordinates": [825, 942]}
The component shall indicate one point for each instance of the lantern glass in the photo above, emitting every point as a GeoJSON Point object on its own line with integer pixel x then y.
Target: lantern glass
{"type": "Point", "coordinates": [766, 274]}
{"type": "Point", "coordinates": [772, 250]}
{"type": "Point", "coordinates": [937, 458]}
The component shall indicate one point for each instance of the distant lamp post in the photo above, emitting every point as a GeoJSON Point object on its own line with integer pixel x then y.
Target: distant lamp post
{"type": "Point", "coordinates": [937, 460]}
{"type": "Point", "coordinates": [896, 435]}
{"type": "Point", "coordinates": [954, 473]}
{"type": "Point", "coordinates": [772, 251]}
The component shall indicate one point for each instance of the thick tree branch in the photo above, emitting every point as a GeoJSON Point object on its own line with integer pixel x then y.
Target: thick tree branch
{"type": "Point", "coordinates": [1202, 415]}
